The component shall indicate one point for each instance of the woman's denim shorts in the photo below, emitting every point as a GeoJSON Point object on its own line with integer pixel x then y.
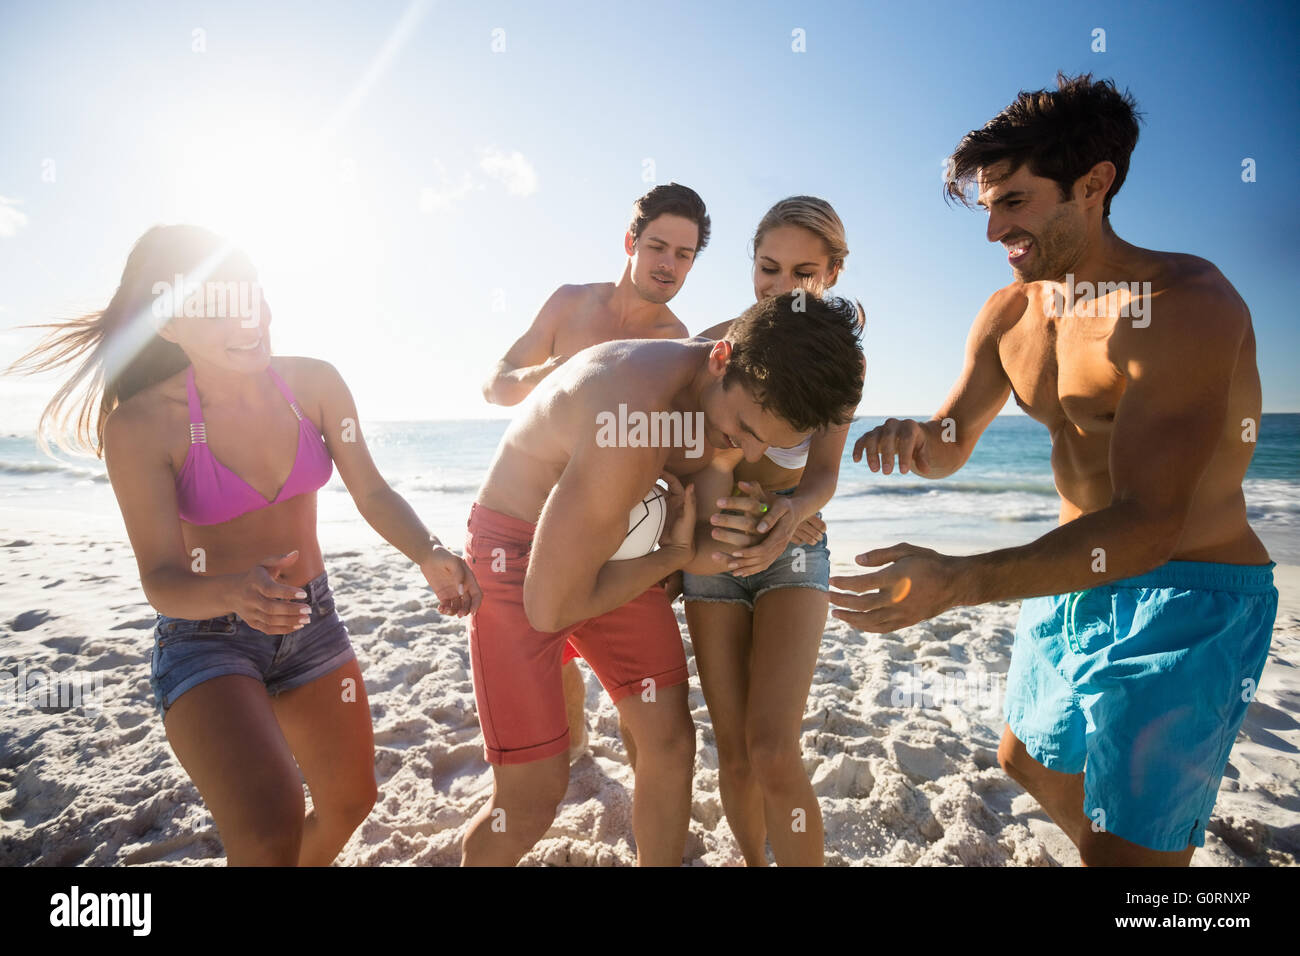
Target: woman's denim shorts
{"type": "Point", "coordinates": [187, 653]}
{"type": "Point", "coordinates": [798, 566]}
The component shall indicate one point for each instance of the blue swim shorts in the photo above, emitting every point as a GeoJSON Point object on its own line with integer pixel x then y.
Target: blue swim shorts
{"type": "Point", "coordinates": [798, 566]}
{"type": "Point", "coordinates": [187, 653]}
{"type": "Point", "coordinates": [1141, 685]}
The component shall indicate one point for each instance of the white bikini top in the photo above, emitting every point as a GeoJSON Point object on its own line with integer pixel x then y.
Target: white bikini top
{"type": "Point", "coordinates": [796, 457]}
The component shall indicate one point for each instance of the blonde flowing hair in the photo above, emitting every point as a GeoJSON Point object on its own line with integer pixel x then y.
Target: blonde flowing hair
{"type": "Point", "coordinates": [119, 348]}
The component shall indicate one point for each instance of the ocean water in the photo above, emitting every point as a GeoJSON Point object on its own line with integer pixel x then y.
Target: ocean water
{"type": "Point", "coordinates": [1002, 497]}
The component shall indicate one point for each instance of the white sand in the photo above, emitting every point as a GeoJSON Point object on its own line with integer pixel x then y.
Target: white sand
{"type": "Point", "coordinates": [897, 784]}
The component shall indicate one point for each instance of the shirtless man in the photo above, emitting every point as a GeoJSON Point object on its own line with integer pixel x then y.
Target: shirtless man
{"type": "Point", "coordinates": [553, 509]}
{"type": "Point", "coordinates": [669, 228]}
{"type": "Point", "coordinates": [1150, 608]}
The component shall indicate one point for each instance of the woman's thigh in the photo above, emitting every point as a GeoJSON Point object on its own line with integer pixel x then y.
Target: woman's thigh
{"type": "Point", "coordinates": [328, 728]}
{"type": "Point", "coordinates": [720, 637]}
{"type": "Point", "coordinates": [788, 627]}
{"type": "Point", "coordinates": [226, 736]}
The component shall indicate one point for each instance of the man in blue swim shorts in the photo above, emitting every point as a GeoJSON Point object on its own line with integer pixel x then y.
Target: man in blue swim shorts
{"type": "Point", "coordinates": [1149, 611]}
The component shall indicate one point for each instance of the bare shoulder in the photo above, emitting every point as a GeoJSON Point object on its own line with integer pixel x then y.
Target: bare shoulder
{"type": "Point", "coordinates": [300, 368]}
{"type": "Point", "coordinates": [634, 368]}
{"type": "Point", "coordinates": [585, 295]}
{"type": "Point", "coordinates": [716, 332]}
{"type": "Point", "coordinates": [1194, 277]}
{"type": "Point", "coordinates": [315, 383]}
{"type": "Point", "coordinates": [1192, 309]}
{"type": "Point", "coordinates": [671, 327]}
{"type": "Point", "coordinates": [146, 421]}
{"type": "Point", "coordinates": [1006, 306]}
{"type": "Point", "coordinates": [1194, 296]}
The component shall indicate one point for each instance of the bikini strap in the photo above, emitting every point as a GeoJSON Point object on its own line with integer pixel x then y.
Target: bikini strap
{"type": "Point", "coordinates": [198, 430]}
{"type": "Point", "coordinates": [284, 390]}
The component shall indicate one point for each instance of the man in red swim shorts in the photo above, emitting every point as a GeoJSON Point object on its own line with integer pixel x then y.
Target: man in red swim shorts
{"type": "Point", "coordinates": [553, 509]}
{"type": "Point", "coordinates": [668, 230]}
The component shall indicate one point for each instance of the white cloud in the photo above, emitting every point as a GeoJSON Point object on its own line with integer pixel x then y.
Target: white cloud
{"type": "Point", "coordinates": [512, 169]}
{"type": "Point", "coordinates": [439, 197]}
{"type": "Point", "coordinates": [11, 218]}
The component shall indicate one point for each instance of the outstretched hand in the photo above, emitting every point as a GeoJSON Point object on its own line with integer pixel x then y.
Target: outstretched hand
{"type": "Point", "coordinates": [914, 585]}
{"type": "Point", "coordinates": [904, 438]}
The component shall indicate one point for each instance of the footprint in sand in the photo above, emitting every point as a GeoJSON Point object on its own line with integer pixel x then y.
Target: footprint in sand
{"type": "Point", "coordinates": [107, 660]}
{"type": "Point", "coordinates": [64, 645]}
{"type": "Point", "coordinates": [362, 623]}
{"type": "Point", "coordinates": [462, 761]}
{"type": "Point", "coordinates": [30, 619]}
{"type": "Point", "coordinates": [404, 734]}
{"type": "Point", "coordinates": [944, 631]}
{"type": "Point", "coordinates": [1261, 714]}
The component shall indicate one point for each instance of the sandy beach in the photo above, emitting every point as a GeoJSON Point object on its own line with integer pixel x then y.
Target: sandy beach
{"type": "Point", "coordinates": [903, 762]}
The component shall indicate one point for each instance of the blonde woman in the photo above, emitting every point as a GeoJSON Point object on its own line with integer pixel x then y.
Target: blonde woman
{"type": "Point", "coordinates": [756, 628]}
{"type": "Point", "coordinates": [215, 449]}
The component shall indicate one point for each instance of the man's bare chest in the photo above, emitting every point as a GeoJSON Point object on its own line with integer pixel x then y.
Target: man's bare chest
{"type": "Point", "coordinates": [1062, 370]}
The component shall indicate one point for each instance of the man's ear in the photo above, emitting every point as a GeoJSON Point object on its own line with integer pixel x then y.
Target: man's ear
{"type": "Point", "coordinates": [1096, 183]}
{"type": "Point", "coordinates": [719, 356]}
{"type": "Point", "coordinates": [629, 243]}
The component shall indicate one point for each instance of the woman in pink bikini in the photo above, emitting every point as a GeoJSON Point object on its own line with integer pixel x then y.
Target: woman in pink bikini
{"type": "Point", "coordinates": [215, 450]}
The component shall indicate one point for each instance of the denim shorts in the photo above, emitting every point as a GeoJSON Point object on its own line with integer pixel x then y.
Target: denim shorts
{"type": "Point", "coordinates": [187, 653]}
{"type": "Point", "coordinates": [798, 566]}
{"type": "Point", "coordinates": [1142, 685]}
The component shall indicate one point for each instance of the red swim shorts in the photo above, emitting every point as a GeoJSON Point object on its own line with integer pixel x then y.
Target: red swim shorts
{"type": "Point", "coordinates": [517, 678]}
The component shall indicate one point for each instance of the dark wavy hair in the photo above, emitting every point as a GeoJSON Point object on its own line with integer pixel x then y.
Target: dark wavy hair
{"type": "Point", "coordinates": [800, 356]}
{"type": "Point", "coordinates": [673, 199]}
{"type": "Point", "coordinates": [1060, 134]}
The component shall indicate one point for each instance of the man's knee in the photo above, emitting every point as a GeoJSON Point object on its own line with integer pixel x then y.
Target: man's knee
{"type": "Point", "coordinates": [1099, 848]}
{"type": "Point", "coordinates": [1015, 760]}
{"type": "Point", "coordinates": [527, 811]}
{"type": "Point", "coordinates": [669, 739]}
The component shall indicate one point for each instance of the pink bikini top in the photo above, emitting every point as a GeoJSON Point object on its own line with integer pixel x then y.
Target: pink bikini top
{"type": "Point", "coordinates": [207, 492]}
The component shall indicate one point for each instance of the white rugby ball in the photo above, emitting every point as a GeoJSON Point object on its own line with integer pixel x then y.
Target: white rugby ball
{"type": "Point", "coordinates": [645, 525]}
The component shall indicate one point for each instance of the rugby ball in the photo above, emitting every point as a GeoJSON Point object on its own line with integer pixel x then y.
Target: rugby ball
{"type": "Point", "coordinates": [645, 525]}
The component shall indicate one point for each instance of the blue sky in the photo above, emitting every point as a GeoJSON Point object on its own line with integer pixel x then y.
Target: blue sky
{"type": "Point", "coordinates": [411, 211]}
